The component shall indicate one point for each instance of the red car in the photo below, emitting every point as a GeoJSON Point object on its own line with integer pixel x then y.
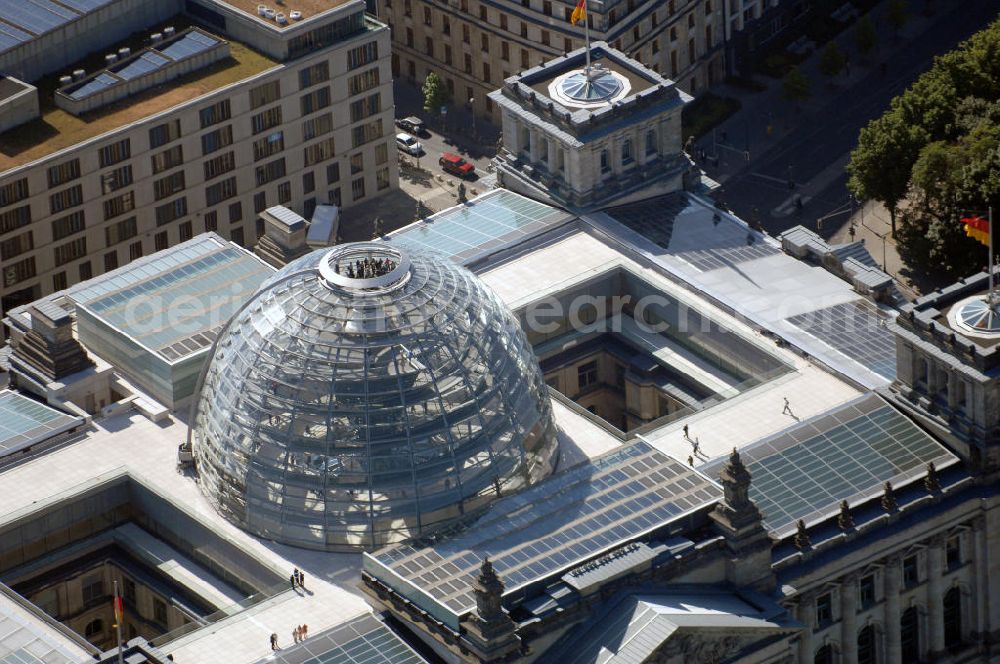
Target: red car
{"type": "Point", "coordinates": [455, 165]}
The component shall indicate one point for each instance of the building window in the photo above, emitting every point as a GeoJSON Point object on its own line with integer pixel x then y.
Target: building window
{"type": "Point", "coordinates": [586, 375]}
{"type": "Point", "coordinates": [160, 241]}
{"type": "Point", "coordinates": [824, 610]}
{"type": "Point", "coordinates": [16, 246]}
{"type": "Point", "coordinates": [484, 40]}
{"type": "Point", "coordinates": [236, 235]}
{"type": "Point", "coordinates": [114, 153]}
{"type": "Point", "coordinates": [217, 139]}
{"type": "Point", "coordinates": [284, 192]}
{"type": "Point", "coordinates": [215, 113]}
{"type": "Point", "coordinates": [363, 82]}
{"type": "Point", "coordinates": [468, 63]}
{"type": "Point", "coordinates": [268, 145]}
{"type": "Point", "coordinates": [691, 20]}
{"type": "Point", "coordinates": [866, 591]}
{"type": "Point", "coordinates": [673, 64]}
{"type": "Point", "coordinates": [185, 231]}
{"type": "Point", "coordinates": [119, 205]}
{"type": "Point", "coordinates": [59, 281]}
{"type": "Point", "coordinates": [15, 273]}
{"type": "Point", "coordinates": [110, 261]}
{"type": "Point", "coordinates": [953, 552]}
{"type": "Point", "coordinates": [627, 151]}
{"type": "Point", "coordinates": [220, 191]}
{"type": "Point", "coordinates": [952, 607]}
{"type": "Point", "coordinates": [260, 201]}
{"type": "Point", "coordinates": [427, 16]}
{"type": "Point", "coordinates": [317, 126]}
{"type": "Point", "coordinates": [650, 141]}
{"type": "Point", "coordinates": [503, 21]}
{"type": "Point", "coordinates": [270, 171]}
{"type": "Point", "coordinates": [866, 646]}
{"type": "Point", "coordinates": [483, 15]}
{"type": "Point", "coordinates": [235, 212]}
{"type": "Point", "coordinates": [358, 189]}
{"type": "Point", "coordinates": [266, 120]}
{"type": "Point", "coordinates": [357, 163]}
{"type": "Point", "coordinates": [168, 186]}
{"type": "Point", "coordinates": [691, 51]}
{"type": "Point", "coordinates": [116, 179]}
{"type": "Point", "coordinates": [265, 94]}
{"type": "Point", "coordinates": [545, 37]}
{"type": "Point", "coordinates": [605, 161]}
{"type": "Point", "coordinates": [314, 74]}
{"type": "Point", "coordinates": [135, 251]}
{"type": "Point", "coordinates": [909, 635]}
{"type": "Point", "coordinates": [67, 226]}
{"type": "Point", "coordinates": [465, 33]}
{"type": "Point", "coordinates": [218, 165]}
{"type": "Point", "coordinates": [333, 172]}
{"type": "Point", "coordinates": [487, 75]}
{"type": "Point", "coordinates": [211, 221]}
{"type": "Point", "coordinates": [64, 172]}
{"type": "Point", "coordinates": [445, 25]}
{"type": "Point", "coordinates": [159, 611]}
{"type": "Point", "coordinates": [93, 589]}
{"type": "Point", "coordinates": [366, 107]}
{"type": "Point", "coordinates": [308, 182]}
{"type": "Point", "coordinates": [824, 655]}
{"type": "Point", "coordinates": [16, 218]}
{"type": "Point", "coordinates": [318, 152]}
{"type": "Point", "coordinates": [362, 55]}
{"type": "Point", "coordinates": [315, 100]}
{"type": "Point", "coordinates": [164, 133]}
{"type": "Point", "coordinates": [93, 628]}
{"type": "Point", "coordinates": [168, 159]}
{"type": "Point", "coordinates": [382, 178]}
{"type": "Point", "coordinates": [655, 46]}
{"type": "Point", "coordinates": [333, 196]}
{"type": "Point", "coordinates": [13, 192]}
{"type": "Point", "coordinates": [66, 198]}
{"type": "Point", "coordinates": [409, 37]}
{"type": "Point", "coordinates": [120, 231]}
{"type": "Point", "coordinates": [172, 211]}
{"type": "Point", "coordinates": [85, 271]}
{"type": "Point", "coordinates": [911, 576]}
{"type": "Point", "coordinates": [429, 46]}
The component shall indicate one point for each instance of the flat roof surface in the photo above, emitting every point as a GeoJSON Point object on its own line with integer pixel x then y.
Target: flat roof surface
{"type": "Point", "coordinates": [491, 222]}
{"type": "Point", "coordinates": [847, 453]}
{"type": "Point", "coordinates": [548, 528]}
{"type": "Point", "coordinates": [23, 20]}
{"type": "Point", "coordinates": [175, 301]}
{"type": "Point", "coordinates": [57, 129]}
{"type": "Point", "coordinates": [746, 272]}
{"type": "Point", "coordinates": [309, 8]}
{"type": "Point", "coordinates": [24, 422]}
{"type": "Point", "coordinates": [364, 640]}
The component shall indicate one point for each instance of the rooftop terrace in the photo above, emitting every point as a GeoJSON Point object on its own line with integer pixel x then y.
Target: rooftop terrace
{"type": "Point", "coordinates": [57, 129]}
{"type": "Point", "coordinates": [309, 8]}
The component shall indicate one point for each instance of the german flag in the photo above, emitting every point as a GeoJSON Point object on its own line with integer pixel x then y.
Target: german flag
{"type": "Point", "coordinates": [579, 13]}
{"type": "Point", "coordinates": [978, 228]}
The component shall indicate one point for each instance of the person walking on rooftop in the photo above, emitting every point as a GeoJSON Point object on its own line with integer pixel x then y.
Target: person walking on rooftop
{"type": "Point", "coordinates": [274, 641]}
{"type": "Point", "coordinates": [787, 410]}
{"type": "Point", "coordinates": [301, 579]}
{"type": "Point", "coordinates": [294, 577]}
{"type": "Point", "coordinates": [305, 632]}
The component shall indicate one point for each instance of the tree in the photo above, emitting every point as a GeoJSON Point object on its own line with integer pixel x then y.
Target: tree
{"type": "Point", "coordinates": [896, 15]}
{"type": "Point", "coordinates": [795, 85]}
{"type": "Point", "coordinates": [831, 60]}
{"type": "Point", "coordinates": [435, 93]}
{"type": "Point", "coordinates": [865, 36]}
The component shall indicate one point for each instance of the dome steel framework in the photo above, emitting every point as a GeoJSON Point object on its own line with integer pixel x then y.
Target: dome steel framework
{"type": "Point", "coordinates": [367, 395]}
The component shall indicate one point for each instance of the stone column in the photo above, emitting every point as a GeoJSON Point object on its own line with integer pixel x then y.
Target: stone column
{"type": "Point", "coordinates": [935, 596]}
{"type": "Point", "coordinates": [979, 585]}
{"type": "Point", "coordinates": [533, 146]}
{"type": "Point", "coordinates": [807, 614]}
{"type": "Point", "coordinates": [849, 619]}
{"type": "Point", "coordinates": [954, 385]}
{"type": "Point", "coordinates": [893, 646]}
{"type": "Point", "coordinates": [553, 155]}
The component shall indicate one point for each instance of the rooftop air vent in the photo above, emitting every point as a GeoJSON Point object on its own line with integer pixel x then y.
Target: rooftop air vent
{"type": "Point", "coordinates": [168, 31]}
{"type": "Point", "coordinates": [155, 37]}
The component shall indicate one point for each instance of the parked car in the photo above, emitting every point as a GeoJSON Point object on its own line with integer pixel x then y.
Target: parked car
{"type": "Point", "coordinates": [413, 125]}
{"type": "Point", "coordinates": [409, 144]}
{"type": "Point", "coordinates": [455, 165]}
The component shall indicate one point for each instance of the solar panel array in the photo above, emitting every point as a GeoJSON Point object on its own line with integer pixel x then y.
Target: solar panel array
{"type": "Point", "coordinates": [185, 45]}
{"type": "Point", "coordinates": [551, 527]}
{"type": "Point", "coordinates": [490, 223]}
{"type": "Point", "coordinates": [23, 20]}
{"type": "Point", "coordinates": [846, 454]}
{"type": "Point", "coordinates": [857, 329]}
{"type": "Point", "coordinates": [365, 640]}
{"type": "Point", "coordinates": [24, 422]}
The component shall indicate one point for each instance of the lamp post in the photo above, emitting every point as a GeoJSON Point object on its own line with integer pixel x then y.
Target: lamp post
{"type": "Point", "coordinates": [472, 109]}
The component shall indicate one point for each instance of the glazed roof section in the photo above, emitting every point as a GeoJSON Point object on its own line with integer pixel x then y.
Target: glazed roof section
{"type": "Point", "coordinates": [24, 422]}
{"type": "Point", "coordinates": [174, 302]}
{"type": "Point", "coordinates": [549, 528]}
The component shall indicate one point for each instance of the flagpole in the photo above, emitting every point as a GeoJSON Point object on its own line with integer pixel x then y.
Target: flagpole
{"type": "Point", "coordinates": [118, 625]}
{"type": "Point", "coordinates": [586, 32]}
{"type": "Point", "coordinates": [989, 298]}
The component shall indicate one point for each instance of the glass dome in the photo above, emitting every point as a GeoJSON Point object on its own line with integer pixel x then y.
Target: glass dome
{"type": "Point", "coordinates": [367, 395]}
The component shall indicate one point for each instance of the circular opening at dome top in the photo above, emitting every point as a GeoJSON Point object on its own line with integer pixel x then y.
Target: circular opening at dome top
{"type": "Point", "coordinates": [364, 266]}
{"type": "Point", "coordinates": [578, 88]}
